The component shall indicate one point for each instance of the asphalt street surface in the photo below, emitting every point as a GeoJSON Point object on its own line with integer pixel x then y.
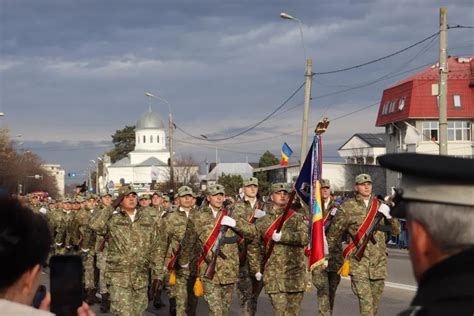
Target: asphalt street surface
{"type": "Point", "coordinates": [399, 291]}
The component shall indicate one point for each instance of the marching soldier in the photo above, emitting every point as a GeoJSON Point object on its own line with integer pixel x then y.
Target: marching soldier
{"type": "Point", "coordinates": [202, 232]}
{"type": "Point", "coordinates": [101, 253]}
{"type": "Point", "coordinates": [437, 199]}
{"type": "Point", "coordinates": [327, 279]}
{"type": "Point", "coordinates": [156, 201]}
{"type": "Point", "coordinates": [34, 203]}
{"type": "Point", "coordinates": [171, 235]}
{"type": "Point", "coordinates": [284, 278]}
{"type": "Point", "coordinates": [86, 244]}
{"type": "Point", "coordinates": [131, 240]}
{"type": "Point", "coordinates": [249, 209]}
{"type": "Point", "coordinates": [63, 223]}
{"type": "Point", "coordinates": [355, 216]}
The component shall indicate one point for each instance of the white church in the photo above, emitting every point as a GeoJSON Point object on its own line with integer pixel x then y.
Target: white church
{"type": "Point", "coordinates": [147, 162]}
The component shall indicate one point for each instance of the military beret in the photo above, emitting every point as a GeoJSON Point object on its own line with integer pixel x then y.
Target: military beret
{"type": "Point", "coordinates": [363, 178]}
{"type": "Point", "coordinates": [215, 189]}
{"type": "Point", "coordinates": [325, 183]}
{"type": "Point", "coordinates": [431, 178]}
{"type": "Point", "coordinates": [185, 190]}
{"type": "Point", "coordinates": [277, 187]}
{"type": "Point", "coordinates": [251, 181]}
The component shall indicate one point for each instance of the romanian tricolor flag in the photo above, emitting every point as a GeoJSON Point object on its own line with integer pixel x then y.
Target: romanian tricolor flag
{"type": "Point", "coordinates": [308, 188]}
{"type": "Point", "coordinates": [286, 152]}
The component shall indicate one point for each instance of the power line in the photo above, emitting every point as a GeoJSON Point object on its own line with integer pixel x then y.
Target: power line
{"type": "Point", "coordinates": [460, 27]}
{"type": "Point", "coordinates": [378, 59]}
{"type": "Point", "coordinates": [249, 128]}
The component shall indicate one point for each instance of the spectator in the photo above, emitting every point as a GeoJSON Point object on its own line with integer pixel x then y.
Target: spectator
{"type": "Point", "coordinates": [25, 242]}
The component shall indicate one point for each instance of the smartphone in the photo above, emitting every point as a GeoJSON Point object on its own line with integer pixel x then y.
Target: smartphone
{"type": "Point", "coordinates": [66, 282]}
{"type": "Point", "coordinates": [39, 296]}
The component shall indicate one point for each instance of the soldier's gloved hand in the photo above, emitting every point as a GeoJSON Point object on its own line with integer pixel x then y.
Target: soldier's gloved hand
{"type": "Point", "coordinates": [184, 266]}
{"type": "Point", "coordinates": [59, 245]}
{"type": "Point", "coordinates": [385, 210]}
{"type": "Point", "coordinates": [259, 213]}
{"type": "Point", "coordinates": [228, 221]}
{"type": "Point", "coordinates": [258, 276]}
{"type": "Point", "coordinates": [68, 247]}
{"type": "Point", "coordinates": [276, 236]}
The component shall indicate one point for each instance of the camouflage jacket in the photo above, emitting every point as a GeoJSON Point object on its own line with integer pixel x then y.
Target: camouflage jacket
{"type": "Point", "coordinates": [130, 246]}
{"type": "Point", "coordinates": [199, 226]}
{"type": "Point", "coordinates": [64, 220]}
{"type": "Point", "coordinates": [87, 237]}
{"type": "Point", "coordinates": [172, 227]}
{"type": "Point", "coordinates": [285, 270]}
{"type": "Point", "coordinates": [350, 217]}
{"type": "Point", "coordinates": [335, 259]}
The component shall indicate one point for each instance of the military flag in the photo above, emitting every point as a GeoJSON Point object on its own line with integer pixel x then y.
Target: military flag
{"type": "Point", "coordinates": [308, 188]}
{"type": "Point", "coordinates": [286, 152]}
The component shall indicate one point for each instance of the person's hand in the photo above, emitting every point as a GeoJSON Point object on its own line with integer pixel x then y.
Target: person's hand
{"type": "Point", "coordinates": [85, 310]}
{"type": "Point", "coordinates": [258, 276]}
{"type": "Point", "coordinates": [385, 210]}
{"type": "Point", "coordinates": [184, 266]}
{"type": "Point", "coordinates": [228, 221]}
{"type": "Point", "coordinates": [84, 253]}
{"type": "Point", "coordinates": [276, 236]}
{"type": "Point", "coordinates": [259, 213]}
{"type": "Point", "coordinates": [44, 305]}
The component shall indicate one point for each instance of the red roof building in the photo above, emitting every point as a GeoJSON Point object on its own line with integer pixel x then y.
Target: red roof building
{"type": "Point", "coordinates": [409, 112]}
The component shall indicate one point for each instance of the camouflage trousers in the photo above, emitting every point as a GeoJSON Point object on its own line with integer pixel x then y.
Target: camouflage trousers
{"type": "Point", "coordinates": [89, 271]}
{"type": "Point", "coordinates": [286, 304]}
{"type": "Point", "coordinates": [368, 292]}
{"type": "Point", "coordinates": [245, 285]}
{"type": "Point", "coordinates": [218, 297]}
{"type": "Point", "coordinates": [126, 301]}
{"type": "Point", "coordinates": [101, 264]}
{"type": "Point", "coordinates": [326, 285]}
{"type": "Point", "coordinates": [186, 301]}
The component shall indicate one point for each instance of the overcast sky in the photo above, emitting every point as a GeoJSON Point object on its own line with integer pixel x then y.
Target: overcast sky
{"type": "Point", "coordinates": [74, 71]}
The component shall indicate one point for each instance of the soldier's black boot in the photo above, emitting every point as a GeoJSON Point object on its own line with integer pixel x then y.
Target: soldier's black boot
{"type": "Point", "coordinates": [105, 303]}
{"type": "Point", "coordinates": [157, 301]}
{"type": "Point", "coordinates": [172, 307]}
{"type": "Point", "coordinates": [90, 297]}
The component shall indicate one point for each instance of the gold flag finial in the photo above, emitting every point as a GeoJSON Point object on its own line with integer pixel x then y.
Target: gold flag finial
{"type": "Point", "coordinates": [322, 126]}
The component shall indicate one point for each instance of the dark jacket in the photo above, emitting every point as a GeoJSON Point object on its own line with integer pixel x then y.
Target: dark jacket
{"type": "Point", "coordinates": [447, 288]}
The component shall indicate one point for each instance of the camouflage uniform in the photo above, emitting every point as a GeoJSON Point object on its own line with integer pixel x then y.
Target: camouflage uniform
{"type": "Point", "coordinates": [129, 252]}
{"type": "Point", "coordinates": [218, 291]}
{"type": "Point", "coordinates": [284, 278]}
{"type": "Point", "coordinates": [248, 301]}
{"type": "Point", "coordinates": [62, 241]}
{"type": "Point", "coordinates": [171, 234]}
{"type": "Point", "coordinates": [326, 280]}
{"type": "Point", "coordinates": [368, 274]}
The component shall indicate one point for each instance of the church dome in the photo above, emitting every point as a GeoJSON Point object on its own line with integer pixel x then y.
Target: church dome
{"type": "Point", "coordinates": [150, 120]}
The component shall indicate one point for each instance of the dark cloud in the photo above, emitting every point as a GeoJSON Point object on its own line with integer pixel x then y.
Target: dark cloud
{"type": "Point", "coordinates": [77, 70]}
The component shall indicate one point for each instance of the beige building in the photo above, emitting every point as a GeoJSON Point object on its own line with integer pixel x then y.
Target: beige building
{"type": "Point", "coordinates": [58, 173]}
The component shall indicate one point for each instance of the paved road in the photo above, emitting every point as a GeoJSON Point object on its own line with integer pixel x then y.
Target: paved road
{"type": "Point", "coordinates": [399, 291]}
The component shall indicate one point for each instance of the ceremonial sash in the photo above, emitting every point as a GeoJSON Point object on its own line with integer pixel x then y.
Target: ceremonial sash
{"type": "Point", "coordinates": [256, 207]}
{"type": "Point", "coordinates": [212, 238]}
{"type": "Point", "coordinates": [274, 225]}
{"type": "Point", "coordinates": [171, 262]}
{"type": "Point", "coordinates": [363, 228]}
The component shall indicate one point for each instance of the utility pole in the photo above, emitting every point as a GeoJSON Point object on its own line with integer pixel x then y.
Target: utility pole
{"type": "Point", "coordinates": [443, 81]}
{"type": "Point", "coordinates": [307, 101]}
{"type": "Point", "coordinates": [170, 123]}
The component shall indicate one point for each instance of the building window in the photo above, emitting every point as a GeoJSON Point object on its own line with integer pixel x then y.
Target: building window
{"type": "Point", "coordinates": [457, 101]}
{"type": "Point", "coordinates": [144, 139]}
{"type": "Point", "coordinates": [430, 131]}
{"type": "Point", "coordinates": [385, 108]}
{"type": "Point", "coordinates": [138, 140]}
{"type": "Point", "coordinates": [157, 138]}
{"type": "Point", "coordinates": [151, 138]}
{"type": "Point", "coordinates": [459, 131]}
{"type": "Point", "coordinates": [401, 103]}
{"type": "Point", "coordinates": [391, 107]}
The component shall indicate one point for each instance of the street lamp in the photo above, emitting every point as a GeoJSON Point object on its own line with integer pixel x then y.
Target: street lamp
{"type": "Point", "coordinates": [307, 93]}
{"type": "Point", "coordinates": [170, 133]}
